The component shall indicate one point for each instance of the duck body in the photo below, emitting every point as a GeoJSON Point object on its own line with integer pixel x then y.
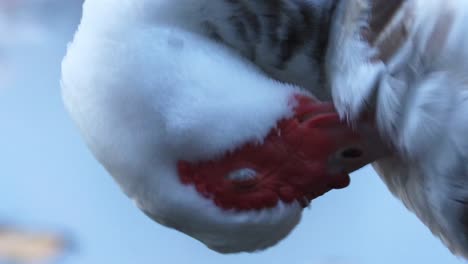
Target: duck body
{"type": "Point", "coordinates": [149, 83]}
{"type": "Point", "coordinates": [140, 87]}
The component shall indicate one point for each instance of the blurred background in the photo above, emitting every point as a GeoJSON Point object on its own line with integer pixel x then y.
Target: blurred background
{"type": "Point", "coordinates": [58, 205]}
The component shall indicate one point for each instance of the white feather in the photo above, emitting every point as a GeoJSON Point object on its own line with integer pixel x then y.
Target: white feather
{"type": "Point", "coordinates": [420, 98]}
{"type": "Point", "coordinates": [135, 81]}
{"type": "Point", "coordinates": [146, 93]}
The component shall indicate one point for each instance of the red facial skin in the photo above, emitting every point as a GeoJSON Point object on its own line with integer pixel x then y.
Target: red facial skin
{"type": "Point", "coordinates": [292, 164]}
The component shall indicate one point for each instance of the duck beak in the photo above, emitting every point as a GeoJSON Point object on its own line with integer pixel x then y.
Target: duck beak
{"type": "Point", "coordinates": [325, 136]}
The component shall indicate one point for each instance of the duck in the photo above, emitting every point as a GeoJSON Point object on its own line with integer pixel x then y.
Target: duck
{"type": "Point", "coordinates": [225, 119]}
{"type": "Point", "coordinates": [197, 133]}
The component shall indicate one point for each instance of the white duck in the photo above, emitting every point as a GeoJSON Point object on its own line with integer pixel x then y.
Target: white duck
{"type": "Point", "coordinates": [152, 92]}
{"type": "Point", "coordinates": [163, 81]}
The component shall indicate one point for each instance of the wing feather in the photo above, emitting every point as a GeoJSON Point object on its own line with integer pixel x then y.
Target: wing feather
{"type": "Point", "coordinates": [406, 60]}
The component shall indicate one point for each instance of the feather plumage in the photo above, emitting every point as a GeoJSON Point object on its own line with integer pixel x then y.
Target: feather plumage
{"type": "Point", "coordinates": [411, 71]}
{"type": "Point", "coordinates": [404, 60]}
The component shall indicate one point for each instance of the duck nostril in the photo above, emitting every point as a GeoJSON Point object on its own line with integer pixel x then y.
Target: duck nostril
{"type": "Point", "coordinates": [352, 153]}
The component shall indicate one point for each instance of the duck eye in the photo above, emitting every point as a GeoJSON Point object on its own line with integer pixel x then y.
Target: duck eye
{"type": "Point", "coordinates": [244, 174]}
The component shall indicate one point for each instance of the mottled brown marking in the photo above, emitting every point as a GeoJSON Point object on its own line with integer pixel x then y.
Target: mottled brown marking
{"type": "Point", "coordinates": [285, 27]}
{"type": "Point", "coordinates": [324, 36]}
{"type": "Point", "coordinates": [382, 12]}
{"type": "Point", "coordinates": [212, 31]}
{"type": "Point", "coordinates": [384, 35]}
{"type": "Point", "coordinates": [392, 42]}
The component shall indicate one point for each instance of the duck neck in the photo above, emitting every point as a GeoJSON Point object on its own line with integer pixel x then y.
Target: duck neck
{"type": "Point", "coordinates": [282, 26]}
{"type": "Point", "coordinates": [271, 32]}
{"type": "Point", "coordinates": [287, 39]}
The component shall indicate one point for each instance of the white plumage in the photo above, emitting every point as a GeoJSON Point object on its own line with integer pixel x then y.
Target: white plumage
{"type": "Point", "coordinates": [140, 77]}
{"type": "Point", "coordinates": [413, 75]}
{"type": "Point", "coordinates": [145, 94]}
